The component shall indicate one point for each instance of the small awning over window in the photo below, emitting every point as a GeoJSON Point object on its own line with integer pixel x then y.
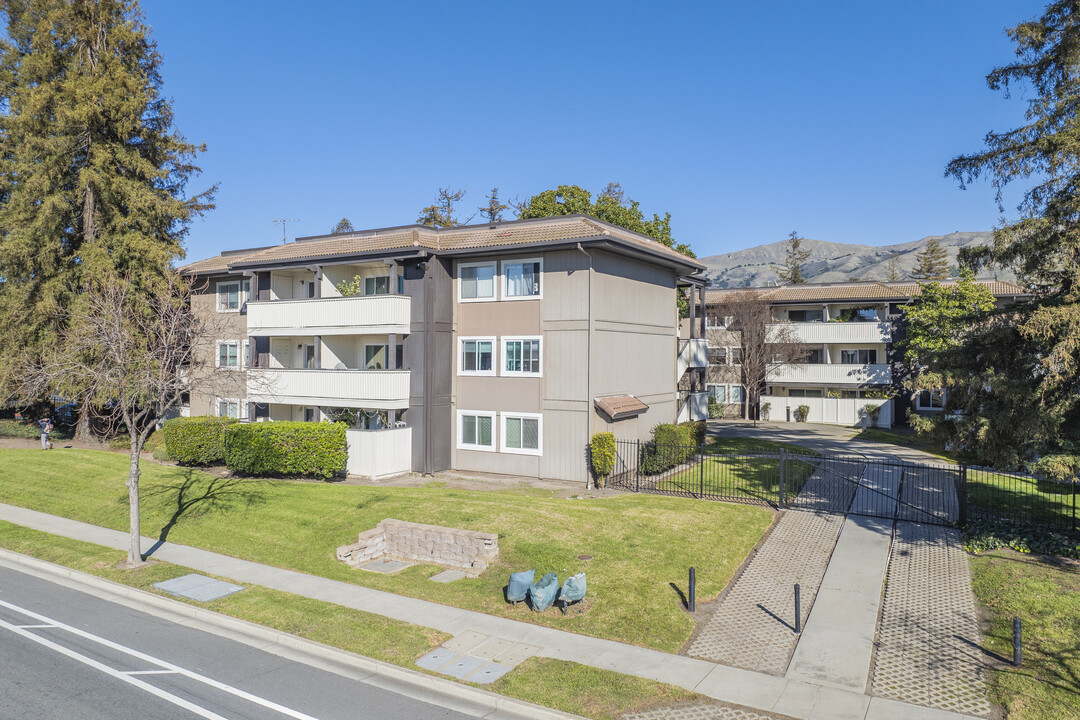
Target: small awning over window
{"type": "Point", "coordinates": [618, 407]}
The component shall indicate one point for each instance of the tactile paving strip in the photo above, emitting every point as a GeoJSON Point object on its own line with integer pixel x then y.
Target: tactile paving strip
{"type": "Point", "coordinates": [753, 626]}
{"type": "Point", "coordinates": [703, 712]}
{"type": "Point", "coordinates": [928, 640]}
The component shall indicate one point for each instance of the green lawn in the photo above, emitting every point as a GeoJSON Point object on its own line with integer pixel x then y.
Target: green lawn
{"type": "Point", "coordinates": [639, 543]}
{"type": "Point", "coordinates": [566, 686]}
{"type": "Point", "coordinates": [1046, 598]}
{"type": "Point", "coordinates": [993, 495]}
{"type": "Point", "coordinates": [748, 478]}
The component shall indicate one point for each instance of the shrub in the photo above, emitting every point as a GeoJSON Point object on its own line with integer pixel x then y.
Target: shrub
{"type": "Point", "coordinates": [14, 428]}
{"type": "Point", "coordinates": [286, 448]}
{"type": "Point", "coordinates": [196, 440]}
{"type": "Point", "coordinates": [670, 446]}
{"type": "Point", "coordinates": [801, 413]}
{"type": "Point", "coordinates": [765, 408]}
{"type": "Point", "coordinates": [695, 431]}
{"type": "Point", "coordinates": [873, 412]}
{"type": "Point", "coordinates": [602, 455]}
{"type": "Point", "coordinates": [716, 409]}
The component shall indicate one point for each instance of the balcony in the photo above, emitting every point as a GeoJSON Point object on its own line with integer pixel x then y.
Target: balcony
{"type": "Point", "coordinates": [372, 389]}
{"type": "Point", "coordinates": [358, 315]}
{"type": "Point", "coordinates": [834, 374]}
{"type": "Point", "coordinates": [693, 353]}
{"type": "Point", "coordinates": [816, 333]}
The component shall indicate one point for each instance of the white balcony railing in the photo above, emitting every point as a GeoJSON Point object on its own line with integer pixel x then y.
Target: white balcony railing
{"type": "Point", "coordinates": [837, 332]}
{"type": "Point", "coordinates": [835, 374]}
{"type": "Point", "coordinates": [693, 353]}
{"type": "Point", "coordinates": [372, 389]}
{"type": "Point", "coordinates": [358, 315]}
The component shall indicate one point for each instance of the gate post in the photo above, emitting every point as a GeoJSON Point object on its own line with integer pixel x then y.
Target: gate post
{"type": "Point", "coordinates": [637, 466]}
{"type": "Point", "coordinates": [961, 494]}
{"type": "Point", "coordinates": [783, 472]}
{"type": "Point", "coordinates": [701, 477]}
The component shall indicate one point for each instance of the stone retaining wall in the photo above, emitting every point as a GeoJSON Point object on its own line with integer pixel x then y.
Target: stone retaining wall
{"type": "Point", "coordinates": [468, 550]}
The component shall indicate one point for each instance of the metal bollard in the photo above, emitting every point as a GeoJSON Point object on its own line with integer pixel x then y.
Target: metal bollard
{"type": "Point", "coordinates": [798, 611]}
{"type": "Point", "coordinates": [693, 589]}
{"type": "Point", "coordinates": [1016, 642]}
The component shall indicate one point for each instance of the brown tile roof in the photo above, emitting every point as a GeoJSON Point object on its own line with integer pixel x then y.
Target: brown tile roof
{"type": "Point", "coordinates": [474, 237]}
{"type": "Point", "coordinates": [618, 407]}
{"type": "Point", "coordinates": [220, 263]}
{"type": "Point", "coordinates": [854, 291]}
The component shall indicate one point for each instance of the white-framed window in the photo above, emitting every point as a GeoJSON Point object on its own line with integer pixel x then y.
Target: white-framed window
{"type": "Point", "coordinates": [931, 400]}
{"type": "Point", "coordinates": [377, 285]}
{"type": "Point", "coordinates": [232, 354]}
{"type": "Point", "coordinates": [717, 393]}
{"type": "Point", "coordinates": [522, 433]}
{"type": "Point", "coordinates": [717, 355]}
{"type": "Point", "coordinates": [231, 407]}
{"type": "Point", "coordinates": [476, 281]}
{"type": "Point", "coordinates": [738, 394]}
{"type": "Point", "coordinates": [858, 357]}
{"type": "Point", "coordinates": [232, 294]}
{"type": "Point", "coordinates": [522, 278]}
{"type": "Point", "coordinates": [476, 430]}
{"type": "Point", "coordinates": [521, 356]}
{"type": "Point", "coordinates": [736, 356]}
{"type": "Point", "coordinates": [476, 356]}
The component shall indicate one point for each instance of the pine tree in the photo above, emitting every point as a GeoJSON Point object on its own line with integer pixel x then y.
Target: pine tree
{"type": "Point", "coordinates": [932, 262]}
{"type": "Point", "coordinates": [893, 273]}
{"type": "Point", "coordinates": [493, 211]}
{"type": "Point", "coordinates": [343, 226]}
{"type": "Point", "coordinates": [441, 213]}
{"type": "Point", "coordinates": [92, 171]}
{"type": "Point", "coordinates": [791, 272]}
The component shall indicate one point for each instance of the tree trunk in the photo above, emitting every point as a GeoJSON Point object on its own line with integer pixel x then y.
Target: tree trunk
{"type": "Point", "coordinates": [84, 432]}
{"type": "Point", "coordinates": [134, 558]}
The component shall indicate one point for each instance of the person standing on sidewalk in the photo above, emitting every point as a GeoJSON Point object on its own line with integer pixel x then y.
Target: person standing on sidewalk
{"type": "Point", "coordinates": [46, 428]}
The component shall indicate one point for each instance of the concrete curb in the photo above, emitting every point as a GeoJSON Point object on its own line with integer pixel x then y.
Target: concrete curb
{"type": "Point", "coordinates": [410, 683]}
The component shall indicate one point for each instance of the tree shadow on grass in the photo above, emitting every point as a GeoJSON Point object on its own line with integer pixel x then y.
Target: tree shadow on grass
{"type": "Point", "coordinates": [193, 495]}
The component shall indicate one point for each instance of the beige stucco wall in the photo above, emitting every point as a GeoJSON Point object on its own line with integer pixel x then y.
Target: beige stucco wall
{"type": "Point", "coordinates": [208, 384]}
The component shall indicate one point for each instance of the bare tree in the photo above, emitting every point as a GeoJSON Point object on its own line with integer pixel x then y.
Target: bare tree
{"type": "Point", "coordinates": [134, 347]}
{"type": "Point", "coordinates": [765, 346]}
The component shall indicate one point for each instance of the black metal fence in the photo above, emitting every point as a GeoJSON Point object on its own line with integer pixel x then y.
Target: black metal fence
{"type": "Point", "coordinates": [922, 492]}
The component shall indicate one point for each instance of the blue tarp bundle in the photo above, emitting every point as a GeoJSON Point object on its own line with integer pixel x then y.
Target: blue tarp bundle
{"type": "Point", "coordinates": [573, 589]}
{"type": "Point", "coordinates": [542, 594]}
{"type": "Point", "coordinates": [519, 585]}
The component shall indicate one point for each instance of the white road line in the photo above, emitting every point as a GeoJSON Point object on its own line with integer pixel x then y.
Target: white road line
{"type": "Point", "coordinates": [150, 672]}
{"type": "Point", "coordinates": [162, 664]}
{"type": "Point", "coordinates": [33, 627]}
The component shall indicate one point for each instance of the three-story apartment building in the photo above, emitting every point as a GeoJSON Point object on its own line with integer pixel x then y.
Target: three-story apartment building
{"type": "Point", "coordinates": [491, 348]}
{"type": "Point", "coordinates": [851, 331]}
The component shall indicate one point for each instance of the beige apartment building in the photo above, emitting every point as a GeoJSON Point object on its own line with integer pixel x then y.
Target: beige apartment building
{"type": "Point", "coordinates": [495, 348]}
{"type": "Point", "coordinates": [851, 331]}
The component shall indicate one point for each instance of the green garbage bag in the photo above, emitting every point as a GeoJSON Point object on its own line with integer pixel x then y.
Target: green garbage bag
{"type": "Point", "coordinates": [519, 585]}
{"type": "Point", "coordinates": [543, 593]}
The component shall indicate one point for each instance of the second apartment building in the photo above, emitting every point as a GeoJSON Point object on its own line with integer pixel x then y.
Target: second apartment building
{"type": "Point", "coordinates": [494, 348]}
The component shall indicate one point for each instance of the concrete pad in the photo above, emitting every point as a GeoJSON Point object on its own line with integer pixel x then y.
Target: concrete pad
{"type": "Point", "coordinates": [466, 641]}
{"type": "Point", "coordinates": [883, 709]}
{"type": "Point", "coordinates": [741, 687]}
{"type": "Point", "coordinates": [516, 654]}
{"type": "Point", "coordinates": [436, 658]}
{"type": "Point", "coordinates": [487, 673]}
{"type": "Point", "coordinates": [797, 700]}
{"type": "Point", "coordinates": [491, 648]}
{"type": "Point", "coordinates": [198, 587]}
{"type": "Point", "coordinates": [461, 666]}
{"type": "Point", "coordinates": [383, 565]}
{"type": "Point", "coordinates": [447, 576]}
{"type": "Point", "coordinates": [839, 705]}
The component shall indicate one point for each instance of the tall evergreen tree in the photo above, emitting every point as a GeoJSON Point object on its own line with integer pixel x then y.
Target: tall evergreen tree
{"type": "Point", "coordinates": [932, 262]}
{"type": "Point", "coordinates": [93, 173]}
{"type": "Point", "coordinates": [343, 226]}
{"type": "Point", "coordinates": [1035, 346]}
{"type": "Point", "coordinates": [893, 272]}
{"type": "Point", "coordinates": [493, 211]}
{"type": "Point", "coordinates": [791, 272]}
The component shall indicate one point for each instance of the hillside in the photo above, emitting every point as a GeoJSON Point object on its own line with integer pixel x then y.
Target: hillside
{"type": "Point", "coordinates": [833, 262]}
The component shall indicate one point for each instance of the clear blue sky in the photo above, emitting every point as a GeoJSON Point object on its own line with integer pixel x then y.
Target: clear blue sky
{"type": "Point", "coordinates": [745, 120]}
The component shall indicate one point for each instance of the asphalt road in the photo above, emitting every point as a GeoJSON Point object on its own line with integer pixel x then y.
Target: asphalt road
{"type": "Point", "coordinates": [65, 654]}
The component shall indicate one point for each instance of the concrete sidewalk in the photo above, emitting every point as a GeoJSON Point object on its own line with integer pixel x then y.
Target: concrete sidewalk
{"type": "Point", "coordinates": [788, 696]}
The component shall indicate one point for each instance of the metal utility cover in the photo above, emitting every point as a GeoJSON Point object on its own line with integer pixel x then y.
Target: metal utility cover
{"type": "Point", "coordinates": [488, 674]}
{"type": "Point", "coordinates": [462, 666]}
{"type": "Point", "coordinates": [436, 658]}
{"type": "Point", "coordinates": [198, 587]}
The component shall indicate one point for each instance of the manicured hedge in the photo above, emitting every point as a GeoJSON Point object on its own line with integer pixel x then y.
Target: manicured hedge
{"type": "Point", "coordinates": [696, 430]}
{"type": "Point", "coordinates": [286, 448]}
{"type": "Point", "coordinates": [602, 455]}
{"type": "Point", "coordinates": [671, 445]}
{"type": "Point", "coordinates": [196, 440]}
